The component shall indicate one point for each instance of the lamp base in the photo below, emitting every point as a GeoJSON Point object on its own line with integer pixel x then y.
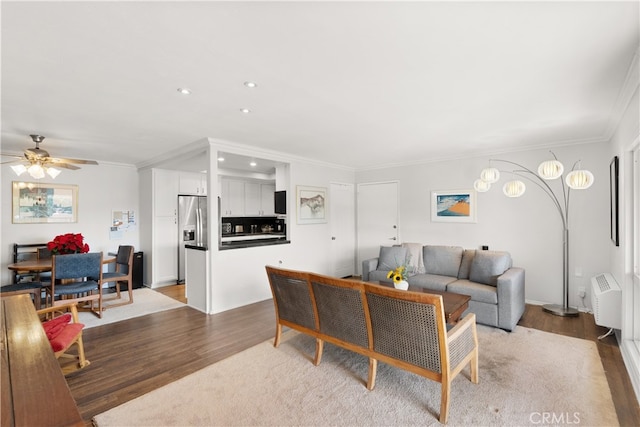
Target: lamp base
{"type": "Point", "coordinates": [559, 310]}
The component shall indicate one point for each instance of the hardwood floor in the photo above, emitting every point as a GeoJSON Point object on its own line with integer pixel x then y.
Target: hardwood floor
{"type": "Point", "coordinates": [135, 356]}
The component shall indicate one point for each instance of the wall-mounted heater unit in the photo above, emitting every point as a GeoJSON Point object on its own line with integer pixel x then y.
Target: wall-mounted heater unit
{"type": "Point", "coordinates": [607, 302]}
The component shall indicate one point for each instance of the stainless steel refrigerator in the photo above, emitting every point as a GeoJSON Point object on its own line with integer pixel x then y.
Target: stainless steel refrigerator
{"type": "Point", "coordinates": [192, 227]}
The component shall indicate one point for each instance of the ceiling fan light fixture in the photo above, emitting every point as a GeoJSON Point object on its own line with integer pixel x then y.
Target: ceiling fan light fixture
{"type": "Point", "coordinates": [19, 169]}
{"type": "Point", "coordinates": [36, 171]}
{"type": "Point", "coordinates": [53, 172]}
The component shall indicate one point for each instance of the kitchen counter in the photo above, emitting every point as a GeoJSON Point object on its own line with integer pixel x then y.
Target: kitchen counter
{"type": "Point", "coordinates": [250, 240]}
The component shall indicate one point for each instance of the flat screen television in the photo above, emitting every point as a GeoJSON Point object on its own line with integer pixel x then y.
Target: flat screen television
{"type": "Point", "coordinates": [280, 202]}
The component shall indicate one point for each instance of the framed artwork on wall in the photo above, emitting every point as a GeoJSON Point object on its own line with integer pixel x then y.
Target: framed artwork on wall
{"type": "Point", "coordinates": [453, 206]}
{"type": "Point", "coordinates": [311, 204]}
{"type": "Point", "coordinates": [36, 202]}
{"type": "Point", "coordinates": [614, 199]}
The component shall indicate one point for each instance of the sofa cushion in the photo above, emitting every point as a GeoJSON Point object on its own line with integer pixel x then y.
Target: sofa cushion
{"type": "Point", "coordinates": [477, 291]}
{"type": "Point", "coordinates": [391, 257]}
{"type": "Point", "coordinates": [431, 281]}
{"type": "Point", "coordinates": [488, 265]}
{"type": "Point", "coordinates": [465, 265]}
{"type": "Point", "coordinates": [415, 262]}
{"type": "Point", "coordinates": [442, 260]}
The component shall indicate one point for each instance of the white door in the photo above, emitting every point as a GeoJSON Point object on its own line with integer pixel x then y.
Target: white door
{"type": "Point", "coordinates": [343, 229]}
{"type": "Point", "coordinates": [377, 218]}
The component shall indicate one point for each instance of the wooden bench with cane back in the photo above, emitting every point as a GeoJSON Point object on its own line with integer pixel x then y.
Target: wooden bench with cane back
{"type": "Point", "coordinates": [369, 319]}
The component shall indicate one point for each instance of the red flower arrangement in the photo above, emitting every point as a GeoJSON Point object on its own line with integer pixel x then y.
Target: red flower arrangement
{"type": "Point", "coordinates": [68, 244]}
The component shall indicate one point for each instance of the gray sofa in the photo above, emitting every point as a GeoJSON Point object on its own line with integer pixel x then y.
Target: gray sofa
{"type": "Point", "coordinates": [496, 287]}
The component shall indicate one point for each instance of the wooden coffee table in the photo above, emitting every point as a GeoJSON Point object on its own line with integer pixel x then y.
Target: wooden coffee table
{"type": "Point", "coordinates": [454, 304]}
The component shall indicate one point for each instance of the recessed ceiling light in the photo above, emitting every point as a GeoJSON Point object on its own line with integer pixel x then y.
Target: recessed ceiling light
{"type": "Point", "coordinates": [221, 159]}
{"type": "Point", "coordinates": [245, 110]}
{"type": "Point", "coordinates": [184, 91]}
{"type": "Point", "coordinates": [250, 84]}
{"type": "Point", "coordinates": [253, 164]}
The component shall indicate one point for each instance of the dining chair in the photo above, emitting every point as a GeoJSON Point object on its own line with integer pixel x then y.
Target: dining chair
{"type": "Point", "coordinates": [33, 288]}
{"type": "Point", "coordinates": [44, 253]}
{"type": "Point", "coordinates": [77, 278]}
{"type": "Point", "coordinates": [64, 332]}
{"type": "Point", "coordinates": [123, 273]}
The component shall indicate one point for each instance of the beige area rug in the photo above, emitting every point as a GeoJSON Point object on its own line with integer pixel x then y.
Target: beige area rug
{"type": "Point", "coordinates": [527, 377]}
{"type": "Point", "coordinates": [145, 301]}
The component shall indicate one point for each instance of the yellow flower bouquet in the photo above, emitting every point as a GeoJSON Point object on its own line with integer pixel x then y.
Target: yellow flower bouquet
{"type": "Point", "coordinates": [398, 274]}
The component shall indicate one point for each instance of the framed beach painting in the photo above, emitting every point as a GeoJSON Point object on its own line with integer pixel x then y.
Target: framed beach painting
{"type": "Point", "coordinates": [311, 203]}
{"type": "Point", "coordinates": [35, 202]}
{"type": "Point", "coordinates": [453, 206]}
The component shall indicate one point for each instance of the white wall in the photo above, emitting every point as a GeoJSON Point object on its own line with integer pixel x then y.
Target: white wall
{"type": "Point", "coordinates": [528, 227]}
{"type": "Point", "coordinates": [238, 276]}
{"type": "Point", "coordinates": [101, 189]}
{"type": "Point", "coordinates": [626, 138]}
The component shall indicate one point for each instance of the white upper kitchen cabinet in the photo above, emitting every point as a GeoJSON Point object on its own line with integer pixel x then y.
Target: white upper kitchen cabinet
{"type": "Point", "coordinates": [193, 183]}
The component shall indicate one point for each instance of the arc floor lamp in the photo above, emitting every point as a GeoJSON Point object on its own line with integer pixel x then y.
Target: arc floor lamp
{"type": "Point", "coordinates": [576, 179]}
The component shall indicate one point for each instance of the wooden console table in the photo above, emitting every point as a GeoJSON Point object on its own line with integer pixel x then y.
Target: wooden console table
{"type": "Point", "coordinates": [34, 390]}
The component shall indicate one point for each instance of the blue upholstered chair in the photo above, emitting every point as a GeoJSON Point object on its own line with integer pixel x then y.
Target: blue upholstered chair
{"type": "Point", "coordinates": [124, 267]}
{"type": "Point", "coordinates": [77, 278]}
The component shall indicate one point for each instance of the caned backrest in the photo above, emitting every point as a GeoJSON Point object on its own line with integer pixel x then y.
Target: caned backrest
{"type": "Point", "coordinates": [73, 266]}
{"type": "Point", "coordinates": [340, 307]}
{"type": "Point", "coordinates": [292, 297]}
{"type": "Point", "coordinates": [408, 326]}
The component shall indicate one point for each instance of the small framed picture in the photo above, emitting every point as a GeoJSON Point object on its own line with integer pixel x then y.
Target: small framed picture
{"type": "Point", "coordinates": [453, 206]}
{"type": "Point", "coordinates": [311, 203]}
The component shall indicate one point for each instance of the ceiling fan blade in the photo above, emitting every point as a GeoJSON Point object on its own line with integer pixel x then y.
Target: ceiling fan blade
{"type": "Point", "coordinates": [65, 166]}
{"type": "Point", "coordinates": [59, 160]}
{"type": "Point", "coordinates": [15, 156]}
{"type": "Point", "coordinates": [11, 161]}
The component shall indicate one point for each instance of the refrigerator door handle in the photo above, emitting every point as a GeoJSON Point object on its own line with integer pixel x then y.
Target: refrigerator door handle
{"type": "Point", "coordinates": [198, 227]}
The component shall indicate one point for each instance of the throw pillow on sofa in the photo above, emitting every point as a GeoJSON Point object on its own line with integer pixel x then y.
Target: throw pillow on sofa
{"type": "Point", "coordinates": [442, 260]}
{"type": "Point", "coordinates": [488, 265]}
{"type": "Point", "coordinates": [391, 257]}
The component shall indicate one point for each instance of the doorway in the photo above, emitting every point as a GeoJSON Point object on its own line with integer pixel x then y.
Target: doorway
{"type": "Point", "coordinates": [343, 229]}
{"type": "Point", "coordinates": [377, 218]}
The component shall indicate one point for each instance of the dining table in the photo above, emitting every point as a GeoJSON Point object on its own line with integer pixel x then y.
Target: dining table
{"type": "Point", "coordinates": [40, 265]}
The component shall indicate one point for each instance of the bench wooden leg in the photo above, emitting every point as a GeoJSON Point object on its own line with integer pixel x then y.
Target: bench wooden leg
{"type": "Point", "coordinates": [373, 370]}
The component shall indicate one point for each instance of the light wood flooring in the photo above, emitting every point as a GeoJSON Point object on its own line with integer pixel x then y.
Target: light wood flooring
{"type": "Point", "coordinates": [135, 356]}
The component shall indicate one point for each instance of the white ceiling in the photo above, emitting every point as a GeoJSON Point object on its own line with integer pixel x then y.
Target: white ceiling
{"type": "Point", "coordinates": [358, 84]}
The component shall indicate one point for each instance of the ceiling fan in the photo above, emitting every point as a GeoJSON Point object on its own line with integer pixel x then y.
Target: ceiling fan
{"type": "Point", "coordinates": [37, 161]}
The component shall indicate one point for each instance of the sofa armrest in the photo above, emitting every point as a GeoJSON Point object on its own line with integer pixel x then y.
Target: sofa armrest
{"type": "Point", "coordinates": [510, 298]}
{"type": "Point", "coordinates": [368, 265]}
